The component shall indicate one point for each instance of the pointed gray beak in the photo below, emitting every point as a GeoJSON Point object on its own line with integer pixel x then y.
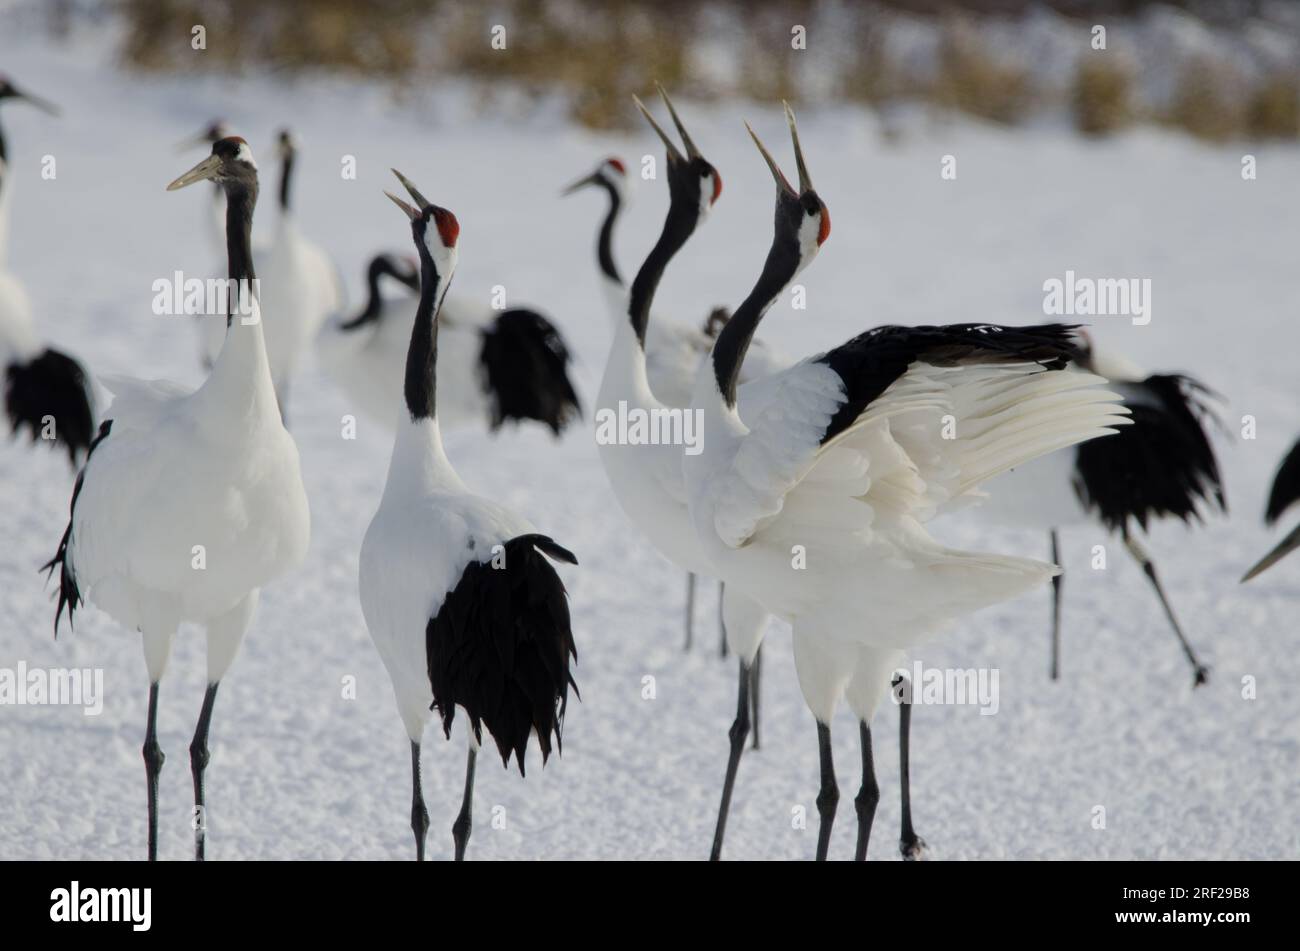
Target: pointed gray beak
{"type": "Point", "coordinates": [805, 180]}
{"type": "Point", "coordinates": [691, 150]}
{"type": "Point", "coordinates": [206, 170]}
{"type": "Point", "coordinates": [42, 104]}
{"type": "Point", "coordinates": [673, 154]}
{"type": "Point", "coordinates": [410, 212]}
{"type": "Point", "coordinates": [1284, 548]}
{"type": "Point", "coordinates": [414, 192]}
{"type": "Point", "coordinates": [592, 179]}
{"type": "Point", "coordinates": [777, 174]}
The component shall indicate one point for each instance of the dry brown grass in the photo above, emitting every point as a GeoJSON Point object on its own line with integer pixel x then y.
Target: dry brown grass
{"type": "Point", "coordinates": [972, 80]}
{"type": "Point", "coordinates": [596, 53]}
{"type": "Point", "coordinates": [1101, 98]}
{"type": "Point", "coordinates": [1203, 104]}
{"type": "Point", "coordinates": [1274, 111]}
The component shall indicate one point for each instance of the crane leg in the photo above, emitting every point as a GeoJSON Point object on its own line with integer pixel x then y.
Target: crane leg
{"type": "Point", "coordinates": [829, 796]}
{"type": "Point", "coordinates": [909, 843]}
{"type": "Point", "coordinates": [755, 676]}
{"type": "Point", "coordinates": [690, 609]}
{"type": "Point", "coordinates": [461, 827]}
{"type": "Point", "coordinates": [722, 623]}
{"type": "Point", "coordinates": [868, 795]}
{"type": "Point", "coordinates": [738, 733]}
{"type": "Point", "coordinates": [1056, 609]}
{"type": "Point", "coordinates": [199, 763]}
{"type": "Point", "coordinates": [153, 762]}
{"type": "Point", "coordinates": [1201, 673]}
{"type": "Point", "coordinates": [419, 814]}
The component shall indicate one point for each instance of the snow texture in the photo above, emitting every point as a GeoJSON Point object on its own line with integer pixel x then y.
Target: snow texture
{"type": "Point", "coordinates": [298, 771]}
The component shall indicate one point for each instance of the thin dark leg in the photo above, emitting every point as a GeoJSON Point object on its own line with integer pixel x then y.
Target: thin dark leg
{"type": "Point", "coordinates": [909, 843]}
{"type": "Point", "coordinates": [690, 609]}
{"type": "Point", "coordinates": [722, 622]}
{"type": "Point", "coordinates": [198, 763]}
{"type": "Point", "coordinates": [868, 796]}
{"type": "Point", "coordinates": [1202, 673]}
{"type": "Point", "coordinates": [419, 815]}
{"type": "Point", "coordinates": [1056, 609]}
{"type": "Point", "coordinates": [153, 761]}
{"type": "Point", "coordinates": [755, 675]}
{"type": "Point", "coordinates": [739, 731]}
{"type": "Point", "coordinates": [829, 796]}
{"type": "Point", "coordinates": [460, 829]}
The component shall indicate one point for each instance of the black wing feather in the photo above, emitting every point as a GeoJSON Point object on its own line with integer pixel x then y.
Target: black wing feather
{"type": "Point", "coordinates": [1161, 465]}
{"type": "Point", "coordinates": [54, 385]}
{"type": "Point", "coordinates": [500, 647]}
{"type": "Point", "coordinates": [870, 362]}
{"type": "Point", "coordinates": [1286, 486]}
{"type": "Point", "coordinates": [525, 367]}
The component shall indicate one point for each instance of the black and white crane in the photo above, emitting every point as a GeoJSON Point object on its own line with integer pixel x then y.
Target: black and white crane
{"type": "Point", "coordinates": [497, 366]}
{"type": "Point", "coordinates": [673, 349]}
{"type": "Point", "coordinates": [299, 282]}
{"type": "Point", "coordinates": [457, 592]}
{"type": "Point", "coordinates": [647, 479]}
{"type": "Point", "coordinates": [814, 502]}
{"type": "Point", "coordinates": [191, 502]}
{"type": "Point", "coordinates": [1161, 466]}
{"type": "Point", "coordinates": [1284, 494]}
{"type": "Point", "coordinates": [45, 391]}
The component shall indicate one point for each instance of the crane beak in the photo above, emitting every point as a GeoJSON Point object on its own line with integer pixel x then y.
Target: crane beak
{"type": "Point", "coordinates": [805, 180]}
{"type": "Point", "coordinates": [42, 104]}
{"type": "Point", "coordinates": [411, 189]}
{"type": "Point", "coordinates": [410, 212]}
{"type": "Point", "coordinates": [673, 154]}
{"type": "Point", "coordinates": [691, 150]}
{"type": "Point", "coordinates": [777, 174]}
{"type": "Point", "coordinates": [1284, 548]}
{"type": "Point", "coordinates": [592, 179]}
{"type": "Point", "coordinates": [206, 170]}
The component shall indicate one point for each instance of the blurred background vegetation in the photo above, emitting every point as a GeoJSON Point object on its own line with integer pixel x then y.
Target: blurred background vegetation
{"type": "Point", "coordinates": [1219, 70]}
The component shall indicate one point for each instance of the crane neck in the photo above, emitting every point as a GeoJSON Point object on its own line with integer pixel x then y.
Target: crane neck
{"type": "Point", "coordinates": [239, 386]}
{"type": "Point", "coordinates": [379, 267]}
{"type": "Point", "coordinates": [419, 463]}
{"type": "Point", "coordinates": [728, 354]}
{"type": "Point", "coordinates": [679, 225]}
{"type": "Point", "coordinates": [286, 177]}
{"type": "Point", "coordinates": [240, 202]}
{"type": "Point", "coordinates": [605, 240]}
{"type": "Point", "coordinates": [420, 386]}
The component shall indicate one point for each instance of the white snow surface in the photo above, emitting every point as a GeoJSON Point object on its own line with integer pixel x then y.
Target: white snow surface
{"type": "Point", "coordinates": [298, 771]}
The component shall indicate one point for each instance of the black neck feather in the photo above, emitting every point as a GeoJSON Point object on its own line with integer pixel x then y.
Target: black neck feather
{"type": "Point", "coordinates": [678, 227]}
{"type": "Point", "coordinates": [422, 355]}
{"type": "Point", "coordinates": [733, 341]}
{"type": "Point", "coordinates": [605, 243]}
{"type": "Point", "coordinates": [286, 171]}
{"type": "Point", "coordinates": [379, 267]}
{"type": "Point", "coordinates": [240, 200]}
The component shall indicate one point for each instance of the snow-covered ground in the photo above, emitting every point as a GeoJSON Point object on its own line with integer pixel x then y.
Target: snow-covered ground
{"type": "Point", "coordinates": [300, 772]}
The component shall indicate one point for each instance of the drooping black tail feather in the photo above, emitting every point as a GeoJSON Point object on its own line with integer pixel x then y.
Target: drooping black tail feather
{"type": "Point", "coordinates": [1161, 465]}
{"type": "Point", "coordinates": [500, 647]}
{"type": "Point", "coordinates": [69, 593]}
{"type": "Point", "coordinates": [52, 388]}
{"type": "Point", "coordinates": [525, 367]}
